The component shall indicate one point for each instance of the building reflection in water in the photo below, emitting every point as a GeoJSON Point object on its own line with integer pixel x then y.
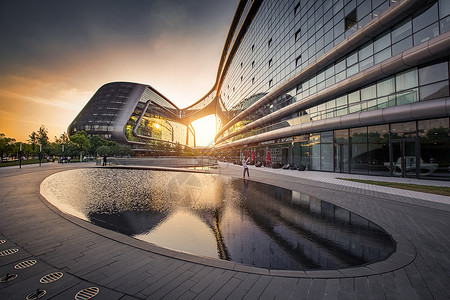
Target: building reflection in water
{"type": "Point", "coordinates": [233, 219]}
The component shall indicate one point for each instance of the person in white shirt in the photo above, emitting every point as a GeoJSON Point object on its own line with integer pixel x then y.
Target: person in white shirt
{"type": "Point", "coordinates": [244, 164]}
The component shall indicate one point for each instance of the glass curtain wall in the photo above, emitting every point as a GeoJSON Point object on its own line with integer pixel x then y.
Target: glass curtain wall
{"type": "Point", "coordinates": [434, 140]}
{"type": "Point", "coordinates": [408, 149]}
{"type": "Point", "coordinates": [359, 155]}
{"type": "Point", "coordinates": [378, 142]}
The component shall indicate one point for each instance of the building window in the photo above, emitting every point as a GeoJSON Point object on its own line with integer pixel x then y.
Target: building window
{"type": "Point", "coordinates": [270, 42]}
{"type": "Point", "coordinates": [298, 61]}
{"type": "Point", "coordinates": [297, 8]}
{"type": "Point", "coordinates": [298, 34]}
{"type": "Point", "coordinates": [270, 63]}
{"type": "Point", "coordinates": [350, 19]}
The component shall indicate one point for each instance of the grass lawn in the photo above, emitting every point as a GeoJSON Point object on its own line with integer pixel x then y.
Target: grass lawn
{"type": "Point", "coordinates": [438, 190]}
{"type": "Point", "coordinates": [29, 162]}
{"type": "Point", "coordinates": [24, 162]}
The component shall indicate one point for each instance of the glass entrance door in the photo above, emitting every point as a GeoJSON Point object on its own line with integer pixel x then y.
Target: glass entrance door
{"type": "Point", "coordinates": [284, 156]}
{"type": "Point", "coordinates": [404, 158]}
{"type": "Point", "coordinates": [341, 158]}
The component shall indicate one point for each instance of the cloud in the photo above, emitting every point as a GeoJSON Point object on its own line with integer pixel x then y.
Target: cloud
{"type": "Point", "coordinates": [55, 54]}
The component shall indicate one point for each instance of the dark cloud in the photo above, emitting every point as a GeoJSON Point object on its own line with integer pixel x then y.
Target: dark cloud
{"type": "Point", "coordinates": [41, 31]}
{"type": "Point", "coordinates": [54, 54]}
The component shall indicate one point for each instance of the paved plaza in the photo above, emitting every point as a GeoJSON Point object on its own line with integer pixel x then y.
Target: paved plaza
{"type": "Point", "coordinates": [122, 267]}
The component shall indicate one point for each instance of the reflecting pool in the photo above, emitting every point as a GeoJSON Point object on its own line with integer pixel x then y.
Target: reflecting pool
{"type": "Point", "coordinates": [210, 215]}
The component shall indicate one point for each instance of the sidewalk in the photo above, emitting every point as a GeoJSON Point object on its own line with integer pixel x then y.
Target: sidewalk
{"type": "Point", "coordinates": [122, 267]}
{"type": "Point", "coordinates": [331, 178]}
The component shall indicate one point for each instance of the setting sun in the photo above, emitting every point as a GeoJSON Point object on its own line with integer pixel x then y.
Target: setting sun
{"type": "Point", "coordinates": [205, 130]}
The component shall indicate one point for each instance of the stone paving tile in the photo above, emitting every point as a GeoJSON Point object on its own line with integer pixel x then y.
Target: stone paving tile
{"type": "Point", "coordinates": [417, 282]}
{"type": "Point", "coordinates": [375, 287]}
{"type": "Point", "coordinates": [362, 287]}
{"type": "Point", "coordinates": [246, 282]}
{"type": "Point", "coordinates": [159, 287]}
{"type": "Point", "coordinates": [280, 288]}
{"type": "Point", "coordinates": [131, 278]}
{"type": "Point", "coordinates": [347, 287]}
{"type": "Point", "coordinates": [181, 290]}
{"type": "Point", "coordinates": [124, 267]}
{"type": "Point", "coordinates": [317, 288]}
{"type": "Point", "coordinates": [216, 285]}
{"type": "Point", "coordinates": [188, 295]}
{"type": "Point", "coordinates": [302, 289]}
{"type": "Point", "coordinates": [331, 289]}
{"type": "Point", "coordinates": [225, 291]}
{"type": "Point", "coordinates": [258, 287]}
{"type": "Point", "coordinates": [171, 289]}
{"type": "Point", "coordinates": [148, 278]}
{"type": "Point", "coordinates": [204, 282]}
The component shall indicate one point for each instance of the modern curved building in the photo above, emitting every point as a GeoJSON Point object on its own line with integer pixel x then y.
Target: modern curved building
{"type": "Point", "coordinates": [354, 86]}
{"type": "Point", "coordinates": [134, 114]}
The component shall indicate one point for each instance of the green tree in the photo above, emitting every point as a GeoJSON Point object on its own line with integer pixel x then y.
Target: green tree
{"type": "Point", "coordinates": [124, 150]}
{"type": "Point", "coordinates": [6, 145]}
{"type": "Point", "coordinates": [81, 142]}
{"type": "Point", "coordinates": [103, 150]}
{"type": "Point", "coordinates": [42, 136]}
{"type": "Point", "coordinates": [39, 138]}
{"type": "Point", "coordinates": [95, 142]}
{"type": "Point", "coordinates": [33, 139]}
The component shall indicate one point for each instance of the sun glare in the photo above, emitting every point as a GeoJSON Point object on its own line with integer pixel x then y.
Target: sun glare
{"type": "Point", "coordinates": [205, 130]}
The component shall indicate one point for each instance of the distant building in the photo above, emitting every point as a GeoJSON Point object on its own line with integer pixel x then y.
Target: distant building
{"type": "Point", "coordinates": [134, 114]}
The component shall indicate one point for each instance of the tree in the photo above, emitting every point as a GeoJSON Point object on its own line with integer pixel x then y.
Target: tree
{"type": "Point", "coordinates": [39, 138]}
{"type": "Point", "coordinates": [42, 136]}
{"type": "Point", "coordinates": [33, 139]}
{"type": "Point", "coordinates": [124, 150]}
{"type": "Point", "coordinates": [95, 142]}
{"type": "Point", "coordinates": [6, 145]}
{"type": "Point", "coordinates": [103, 150]}
{"type": "Point", "coordinates": [81, 141]}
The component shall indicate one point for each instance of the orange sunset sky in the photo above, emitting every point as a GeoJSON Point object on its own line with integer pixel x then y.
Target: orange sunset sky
{"type": "Point", "coordinates": [54, 55]}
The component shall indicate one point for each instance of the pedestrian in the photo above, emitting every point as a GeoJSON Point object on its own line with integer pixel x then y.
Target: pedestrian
{"type": "Point", "coordinates": [104, 160]}
{"type": "Point", "coordinates": [244, 164]}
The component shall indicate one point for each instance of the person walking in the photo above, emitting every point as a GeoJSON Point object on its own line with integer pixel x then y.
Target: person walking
{"type": "Point", "coordinates": [244, 164]}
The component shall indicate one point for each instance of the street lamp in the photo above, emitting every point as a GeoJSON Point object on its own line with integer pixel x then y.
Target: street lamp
{"type": "Point", "coordinates": [40, 154]}
{"type": "Point", "coordinates": [20, 156]}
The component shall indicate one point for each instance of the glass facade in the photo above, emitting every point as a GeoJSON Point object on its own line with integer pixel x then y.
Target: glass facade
{"type": "Point", "coordinates": [413, 85]}
{"type": "Point", "coordinates": [102, 112]}
{"type": "Point", "coordinates": [264, 82]}
{"type": "Point", "coordinates": [134, 114]}
{"type": "Point", "coordinates": [412, 149]}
